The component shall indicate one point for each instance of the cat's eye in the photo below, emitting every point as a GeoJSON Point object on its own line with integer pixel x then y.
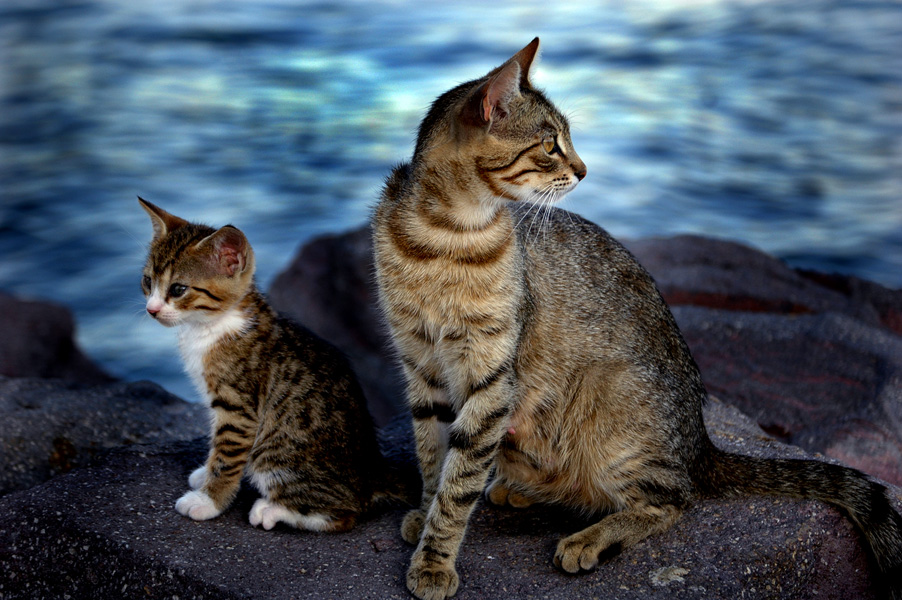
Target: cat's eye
{"type": "Point", "coordinates": [177, 289]}
{"type": "Point", "coordinates": [549, 144]}
{"type": "Point", "coordinates": [145, 283]}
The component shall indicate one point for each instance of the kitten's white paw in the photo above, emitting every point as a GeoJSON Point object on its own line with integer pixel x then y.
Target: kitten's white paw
{"type": "Point", "coordinates": [197, 505]}
{"type": "Point", "coordinates": [198, 478]}
{"type": "Point", "coordinates": [267, 514]}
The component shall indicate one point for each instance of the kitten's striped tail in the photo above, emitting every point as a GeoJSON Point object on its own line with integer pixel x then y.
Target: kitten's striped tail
{"type": "Point", "coordinates": [865, 502]}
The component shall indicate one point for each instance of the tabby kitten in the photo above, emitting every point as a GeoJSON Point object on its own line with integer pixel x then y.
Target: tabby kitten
{"type": "Point", "coordinates": [552, 357]}
{"type": "Point", "coordinates": [286, 408]}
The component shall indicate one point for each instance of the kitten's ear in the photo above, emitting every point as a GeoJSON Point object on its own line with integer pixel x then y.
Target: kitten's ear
{"type": "Point", "coordinates": [162, 221]}
{"type": "Point", "coordinates": [229, 250]}
{"type": "Point", "coordinates": [504, 83]}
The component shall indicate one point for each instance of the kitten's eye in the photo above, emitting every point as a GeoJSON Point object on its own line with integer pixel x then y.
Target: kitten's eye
{"type": "Point", "coordinates": [548, 144]}
{"type": "Point", "coordinates": [177, 289]}
{"type": "Point", "coordinates": [145, 283]}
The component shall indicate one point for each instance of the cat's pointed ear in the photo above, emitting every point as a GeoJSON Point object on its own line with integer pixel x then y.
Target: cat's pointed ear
{"type": "Point", "coordinates": [504, 83]}
{"type": "Point", "coordinates": [162, 221]}
{"type": "Point", "coordinates": [229, 251]}
{"type": "Point", "coordinates": [497, 94]}
{"type": "Point", "coordinates": [525, 58]}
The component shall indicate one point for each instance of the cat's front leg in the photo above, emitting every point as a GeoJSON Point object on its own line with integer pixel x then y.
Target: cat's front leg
{"type": "Point", "coordinates": [473, 442]}
{"type": "Point", "coordinates": [217, 482]}
{"type": "Point", "coordinates": [429, 409]}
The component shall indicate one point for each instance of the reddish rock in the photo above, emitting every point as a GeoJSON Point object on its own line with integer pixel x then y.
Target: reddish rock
{"type": "Point", "coordinates": [720, 274]}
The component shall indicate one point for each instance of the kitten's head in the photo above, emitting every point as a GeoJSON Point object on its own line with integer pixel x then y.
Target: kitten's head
{"type": "Point", "coordinates": [516, 140]}
{"type": "Point", "coordinates": [194, 273]}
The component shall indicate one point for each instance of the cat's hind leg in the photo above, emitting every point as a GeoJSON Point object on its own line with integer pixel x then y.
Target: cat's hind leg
{"type": "Point", "coordinates": [266, 513]}
{"type": "Point", "coordinates": [500, 493]}
{"type": "Point", "coordinates": [581, 551]}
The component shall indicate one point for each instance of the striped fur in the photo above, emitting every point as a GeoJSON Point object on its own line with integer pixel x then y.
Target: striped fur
{"type": "Point", "coordinates": [286, 409]}
{"type": "Point", "coordinates": [534, 344]}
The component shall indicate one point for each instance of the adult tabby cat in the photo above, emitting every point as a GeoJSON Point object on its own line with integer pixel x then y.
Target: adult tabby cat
{"type": "Point", "coordinates": [550, 355]}
{"type": "Point", "coordinates": [286, 408]}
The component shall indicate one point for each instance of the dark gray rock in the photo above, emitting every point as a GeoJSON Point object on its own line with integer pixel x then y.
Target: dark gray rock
{"type": "Point", "coordinates": [110, 531]}
{"type": "Point", "coordinates": [330, 288]}
{"type": "Point", "coordinates": [38, 341]}
{"type": "Point", "coordinates": [51, 426]}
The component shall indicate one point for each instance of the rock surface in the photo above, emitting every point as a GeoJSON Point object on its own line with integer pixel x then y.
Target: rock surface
{"type": "Point", "coordinates": [50, 427]}
{"type": "Point", "coordinates": [109, 531]}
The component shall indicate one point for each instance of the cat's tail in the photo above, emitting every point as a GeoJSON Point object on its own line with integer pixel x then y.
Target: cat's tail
{"type": "Point", "coordinates": [864, 501]}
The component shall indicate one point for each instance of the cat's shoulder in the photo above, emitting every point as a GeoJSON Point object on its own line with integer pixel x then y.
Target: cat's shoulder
{"type": "Point", "coordinates": [570, 241]}
{"type": "Point", "coordinates": [559, 226]}
{"type": "Point", "coordinates": [396, 183]}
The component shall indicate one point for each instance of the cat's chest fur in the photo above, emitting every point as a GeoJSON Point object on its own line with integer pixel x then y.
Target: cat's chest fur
{"type": "Point", "coordinates": [446, 282]}
{"type": "Point", "coordinates": [197, 340]}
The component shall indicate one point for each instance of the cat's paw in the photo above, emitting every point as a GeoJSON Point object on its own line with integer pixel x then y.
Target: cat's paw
{"type": "Point", "coordinates": [501, 495]}
{"type": "Point", "coordinates": [267, 514]}
{"type": "Point", "coordinates": [197, 505]}
{"type": "Point", "coordinates": [435, 582]}
{"type": "Point", "coordinates": [412, 526]}
{"type": "Point", "coordinates": [582, 552]}
{"type": "Point", "coordinates": [198, 478]}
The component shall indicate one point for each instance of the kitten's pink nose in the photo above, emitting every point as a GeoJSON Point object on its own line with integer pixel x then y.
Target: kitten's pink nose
{"type": "Point", "coordinates": [580, 171]}
{"type": "Point", "coordinates": [153, 307]}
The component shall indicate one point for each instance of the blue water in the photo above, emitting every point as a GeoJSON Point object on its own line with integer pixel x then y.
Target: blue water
{"type": "Point", "coordinates": [775, 123]}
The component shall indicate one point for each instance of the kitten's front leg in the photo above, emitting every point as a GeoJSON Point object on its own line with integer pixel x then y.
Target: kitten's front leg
{"type": "Point", "coordinates": [217, 482]}
{"type": "Point", "coordinates": [198, 477]}
{"type": "Point", "coordinates": [473, 442]}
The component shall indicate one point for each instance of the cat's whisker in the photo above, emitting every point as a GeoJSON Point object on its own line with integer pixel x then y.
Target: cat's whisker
{"type": "Point", "coordinates": [529, 214]}
{"type": "Point", "coordinates": [545, 204]}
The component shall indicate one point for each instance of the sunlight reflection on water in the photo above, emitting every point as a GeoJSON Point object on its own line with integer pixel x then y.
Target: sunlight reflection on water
{"type": "Point", "coordinates": [776, 124]}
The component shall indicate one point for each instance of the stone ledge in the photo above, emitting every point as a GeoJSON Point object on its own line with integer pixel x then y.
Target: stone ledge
{"type": "Point", "coordinates": [110, 531]}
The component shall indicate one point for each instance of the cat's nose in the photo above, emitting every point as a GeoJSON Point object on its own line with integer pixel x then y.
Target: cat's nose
{"type": "Point", "coordinates": [580, 171]}
{"type": "Point", "coordinates": [153, 307]}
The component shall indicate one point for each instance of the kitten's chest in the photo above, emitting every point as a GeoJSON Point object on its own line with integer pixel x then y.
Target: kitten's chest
{"type": "Point", "coordinates": [197, 345]}
{"type": "Point", "coordinates": [194, 352]}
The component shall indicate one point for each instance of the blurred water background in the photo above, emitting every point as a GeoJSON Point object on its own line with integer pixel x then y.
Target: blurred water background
{"type": "Point", "coordinates": [774, 123]}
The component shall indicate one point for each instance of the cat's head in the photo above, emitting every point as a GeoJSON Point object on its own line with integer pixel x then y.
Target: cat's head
{"type": "Point", "coordinates": [194, 273]}
{"type": "Point", "coordinates": [514, 138]}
